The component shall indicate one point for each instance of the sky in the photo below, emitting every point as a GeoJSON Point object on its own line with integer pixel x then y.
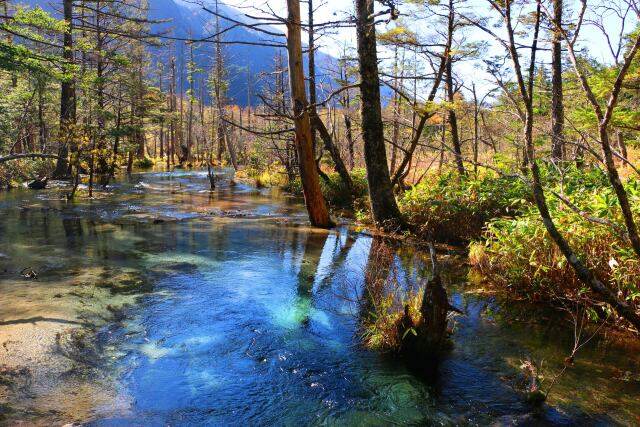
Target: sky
{"type": "Point", "coordinates": [333, 44]}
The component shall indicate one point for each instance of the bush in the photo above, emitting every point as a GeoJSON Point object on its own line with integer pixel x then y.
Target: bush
{"type": "Point", "coordinates": [455, 209]}
{"type": "Point", "coordinates": [144, 163]}
{"type": "Point", "coordinates": [519, 254]}
{"type": "Point", "coordinates": [387, 291]}
{"type": "Point", "coordinates": [14, 172]}
{"type": "Point", "coordinates": [294, 187]}
{"type": "Point", "coordinates": [336, 193]}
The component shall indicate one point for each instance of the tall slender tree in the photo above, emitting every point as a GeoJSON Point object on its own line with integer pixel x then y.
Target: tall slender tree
{"type": "Point", "coordinates": [67, 95]}
{"type": "Point", "coordinates": [383, 203]}
{"type": "Point", "coordinates": [557, 104]}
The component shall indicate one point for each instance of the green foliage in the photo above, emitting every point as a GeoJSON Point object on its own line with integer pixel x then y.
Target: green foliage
{"type": "Point", "coordinates": [15, 172]}
{"type": "Point", "coordinates": [517, 252]}
{"type": "Point", "coordinates": [388, 293]}
{"type": "Point", "coordinates": [453, 208]}
{"type": "Point", "coordinates": [144, 163]}
{"type": "Point", "coordinates": [336, 193]}
{"type": "Point", "coordinates": [36, 26]}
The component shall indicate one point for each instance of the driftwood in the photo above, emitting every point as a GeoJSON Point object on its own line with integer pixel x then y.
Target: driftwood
{"type": "Point", "coordinates": [29, 273]}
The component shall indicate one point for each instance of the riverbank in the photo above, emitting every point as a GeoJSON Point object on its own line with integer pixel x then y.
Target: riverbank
{"type": "Point", "coordinates": [217, 307]}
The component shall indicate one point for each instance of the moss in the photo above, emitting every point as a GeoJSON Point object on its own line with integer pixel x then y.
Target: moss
{"type": "Point", "coordinates": [126, 285]}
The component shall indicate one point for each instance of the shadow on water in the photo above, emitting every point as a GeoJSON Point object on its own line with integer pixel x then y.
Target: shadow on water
{"type": "Point", "coordinates": [174, 305]}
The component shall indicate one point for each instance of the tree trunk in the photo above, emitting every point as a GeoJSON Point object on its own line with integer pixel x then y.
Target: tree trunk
{"type": "Point", "coordinates": [334, 152]}
{"type": "Point", "coordinates": [476, 135]}
{"type": "Point", "coordinates": [350, 142]}
{"type": "Point", "coordinates": [312, 74]}
{"type": "Point", "coordinates": [67, 96]}
{"type": "Point", "coordinates": [383, 203]}
{"type": "Point", "coordinates": [220, 128]}
{"type": "Point", "coordinates": [622, 147]}
{"type": "Point", "coordinates": [318, 213]}
{"type": "Point", "coordinates": [557, 107]}
{"type": "Point", "coordinates": [453, 117]}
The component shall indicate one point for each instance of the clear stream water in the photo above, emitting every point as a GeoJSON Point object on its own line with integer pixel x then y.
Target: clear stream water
{"type": "Point", "coordinates": [161, 303]}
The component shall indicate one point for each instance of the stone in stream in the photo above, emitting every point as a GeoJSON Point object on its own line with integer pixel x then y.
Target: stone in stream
{"type": "Point", "coordinates": [38, 183]}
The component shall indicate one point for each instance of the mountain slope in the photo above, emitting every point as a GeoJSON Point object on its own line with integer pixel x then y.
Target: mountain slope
{"type": "Point", "coordinates": [243, 62]}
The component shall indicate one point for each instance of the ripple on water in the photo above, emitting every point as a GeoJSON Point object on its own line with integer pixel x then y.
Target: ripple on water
{"type": "Point", "coordinates": [249, 321]}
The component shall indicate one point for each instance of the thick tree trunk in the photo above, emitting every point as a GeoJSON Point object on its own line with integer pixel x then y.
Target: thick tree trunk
{"type": "Point", "coordinates": [67, 96]}
{"type": "Point", "coordinates": [383, 203]}
{"type": "Point", "coordinates": [557, 105]}
{"type": "Point", "coordinates": [318, 213]}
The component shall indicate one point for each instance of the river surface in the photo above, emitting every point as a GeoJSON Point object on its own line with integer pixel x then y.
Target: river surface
{"type": "Point", "coordinates": [160, 303]}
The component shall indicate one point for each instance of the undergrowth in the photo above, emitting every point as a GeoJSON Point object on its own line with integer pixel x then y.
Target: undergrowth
{"type": "Point", "coordinates": [517, 253]}
{"type": "Point", "coordinates": [454, 208]}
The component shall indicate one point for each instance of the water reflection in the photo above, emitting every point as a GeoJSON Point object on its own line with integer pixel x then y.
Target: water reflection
{"type": "Point", "coordinates": [163, 303]}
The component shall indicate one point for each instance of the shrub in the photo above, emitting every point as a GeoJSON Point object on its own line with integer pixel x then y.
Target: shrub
{"type": "Point", "coordinates": [14, 172]}
{"type": "Point", "coordinates": [336, 193]}
{"type": "Point", "coordinates": [387, 291]}
{"type": "Point", "coordinates": [519, 254]}
{"type": "Point", "coordinates": [144, 163]}
{"type": "Point", "coordinates": [455, 209]}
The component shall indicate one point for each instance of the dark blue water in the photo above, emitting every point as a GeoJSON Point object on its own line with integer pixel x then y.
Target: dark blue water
{"type": "Point", "coordinates": [224, 308]}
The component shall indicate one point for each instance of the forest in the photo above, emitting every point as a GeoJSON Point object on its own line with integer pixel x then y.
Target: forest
{"type": "Point", "coordinates": [420, 212]}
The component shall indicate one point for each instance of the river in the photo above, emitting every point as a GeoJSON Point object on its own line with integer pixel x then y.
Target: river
{"type": "Point", "coordinates": [162, 303]}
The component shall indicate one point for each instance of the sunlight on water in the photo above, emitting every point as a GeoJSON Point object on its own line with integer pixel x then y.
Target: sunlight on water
{"type": "Point", "coordinates": [161, 303]}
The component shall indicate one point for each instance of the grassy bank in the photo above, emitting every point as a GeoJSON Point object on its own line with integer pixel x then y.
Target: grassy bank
{"type": "Point", "coordinates": [517, 254]}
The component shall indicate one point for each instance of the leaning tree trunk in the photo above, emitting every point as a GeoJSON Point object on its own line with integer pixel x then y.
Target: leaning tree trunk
{"type": "Point", "coordinates": [585, 275]}
{"type": "Point", "coordinates": [383, 203]}
{"type": "Point", "coordinates": [67, 96]}
{"type": "Point", "coordinates": [316, 206]}
{"type": "Point", "coordinates": [334, 152]}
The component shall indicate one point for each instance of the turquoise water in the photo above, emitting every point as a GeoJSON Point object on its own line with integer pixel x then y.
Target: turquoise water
{"type": "Point", "coordinates": [224, 308]}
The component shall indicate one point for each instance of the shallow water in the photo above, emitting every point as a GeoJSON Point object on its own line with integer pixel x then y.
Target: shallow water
{"type": "Point", "coordinates": [161, 303]}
